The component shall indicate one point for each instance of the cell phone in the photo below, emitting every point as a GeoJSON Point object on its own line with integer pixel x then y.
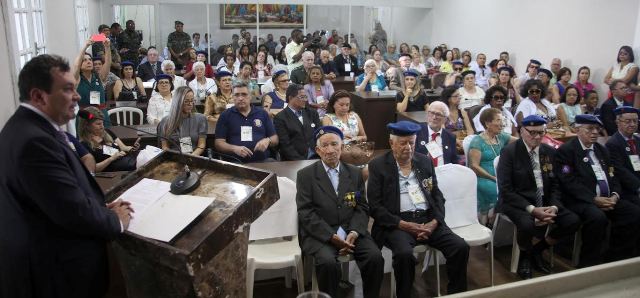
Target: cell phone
{"type": "Point", "coordinates": [98, 38]}
{"type": "Point", "coordinates": [105, 174]}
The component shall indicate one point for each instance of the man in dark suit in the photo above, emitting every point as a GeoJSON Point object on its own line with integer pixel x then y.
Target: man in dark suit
{"type": "Point", "coordinates": [624, 148]}
{"type": "Point", "coordinates": [396, 79]}
{"type": "Point", "coordinates": [408, 209]}
{"type": "Point", "coordinates": [433, 140]}
{"type": "Point", "coordinates": [618, 90]}
{"type": "Point", "coordinates": [530, 195]}
{"type": "Point", "coordinates": [151, 68]}
{"type": "Point", "coordinates": [53, 220]}
{"type": "Point", "coordinates": [345, 62]}
{"type": "Point", "coordinates": [333, 219]}
{"type": "Point", "coordinates": [592, 191]}
{"type": "Point", "coordinates": [295, 125]}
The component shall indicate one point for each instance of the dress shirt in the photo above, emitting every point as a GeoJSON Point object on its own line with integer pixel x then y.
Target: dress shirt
{"type": "Point", "coordinates": [438, 141]}
{"type": "Point", "coordinates": [406, 204]}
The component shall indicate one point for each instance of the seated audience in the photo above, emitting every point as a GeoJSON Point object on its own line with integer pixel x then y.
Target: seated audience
{"type": "Point", "coordinates": [370, 80]}
{"type": "Point", "coordinates": [222, 99]}
{"type": "Point", "coordinates": [201, 56]}
{"type": "Point", "coordinates": [454, 78]}
{"type": "Point", "coordinates": [436, 59]}
{"type": "Point", "coordinates": [590, 103]}
{"type": "Point", "coordinates": [111, 77]}
{"type": "Point", "coordinates": [495, 98]}
{"type": "Point", "coordinates": [471, 94]}
{"type": "Point", "coordinates": [328, 66]}
{"type": "Point", "coordinates": [507, 81]}
{"type": "Point", "coordinates": [534, 102]}
{"type": "Point", "coordinates": [130, 87]}
{"type": "Point", "coordinates": [160, 102]}
{"type": "Point", "coordinates": [408, 209]}
{"type": "Point", "coordinates": [413, 97]}
{"type": "Point", "coordinates": [434, 140]}
{"type": "Point", "coordinates": [186, 128]}
{"type": "Point", "coordinates": [391, 56]}
{"type": "Point", "coordinates": [591, 189]}
{"type": "Point", "coordinates": [532, 71]}
{"type": "Point", "coordinates": [446, 66]}
{"type": "Point", "coordinates": [582, 82]}
{"type": "Point", "coordinates": [624, 150]}
{"type": "Point", "coordinates": [268, 85]}
{"type": "Point", "coordinates": [381, 64]}
{"type": "Point", "coordinates": [201, 85]}
{"type": "Point", "coordinates": [558, 89]}
{"type": "Point", "coordinates": [458, 121]}
{"type": "Point", "coordinates": [244, 54]}
{"type": "Point", "coordinates": [262, 68]}
{"type": "Point", "coordinates": [245, 132]}
{"type": "Point", "coordinates": [169, 68]}
{"type": "Point", "coordinates": [341, 115]}
{"type": "Point", "coordinates": [149, 69]}
{"type": "Point", "coordinates": [530, 196]}
{"type": "Point", "coordinates": [278, 95]}
{"type": "Point", "coordinates": [396, 77]}
{"type": "Point", "coordinates": [625, 69]}
{"type": "Point", "coordinates": [295, 125]}
{"type": "Point", "coordinates": [229, 64]}
{"type": "Point", "coordinates": [319, 90]}
{"type": "Point", "coordinates": [299, 75]}
{"type": "Point", "coordinates": [109, 152]}
{"type": "Point", "coordinates": [618, 90]}
{"type": "Point", "coordinates": [483, 149]}
{"type": "Point", "coordinates": [326, 231]}
{"type": "Point", "coordinates": [417, 65]}
{"type": "Point", "coordinates": [483, 72]}
{"type": "Point", "coordinates": [569, 107]}
{"type": "Point", "coordinates": [345, 62]}
{"type": "Point", "coordinates": [244, 75]}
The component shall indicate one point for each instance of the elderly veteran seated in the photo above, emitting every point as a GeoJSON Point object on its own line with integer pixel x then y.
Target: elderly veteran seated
{"type": "Point", "coordinates": [300, 75]}
{"type": "Point", "coordinates": [530, 196]}
{"type": "Point", "coordinates": [623, 146]}
{"type": "Point", "coordinates": [408, 209]}
{"type": "Point", "coordinates": [396, 74]}
{"type": "Point", "coordinates": [295, 125]}
{"type": "Point", "coordinates": [434, 140]}
{"type": "Point", "coordinates": [332, 213]}
{"type": "Point", "coordinates": [592, 190]}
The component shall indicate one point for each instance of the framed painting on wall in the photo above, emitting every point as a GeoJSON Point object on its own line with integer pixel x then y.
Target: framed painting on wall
{"type": "Point", "coordinates": [271, 16]}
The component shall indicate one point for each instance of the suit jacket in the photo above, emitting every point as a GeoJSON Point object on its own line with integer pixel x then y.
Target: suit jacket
{"type": "Point", "coordinates": [295, 139]}
{"type": "Point", "coordinates": [145, 71]}
{"type": "Point", "coordinates": [321, 212]}
{"type": "Point", "coordinates": [384, 193]}
{"type": "Point", "coordinates": [517, 184]}
{"type": "Point", "coordinates": [328, 68]}
{"type": "Point", "coordinates": [449, 153]}
{"type": "Point", "coordinates": [576, 176]}
{"type": "Point", "coordinates": [629, 179]}
{"type": "Point", "coordinates": [340, 61]}
{"type": "Point", "coordinates": [608, 117]}
{"type": "Point", "coordinates": [53, 220]}
{"type": "Point", "coordinates": [396, 80]}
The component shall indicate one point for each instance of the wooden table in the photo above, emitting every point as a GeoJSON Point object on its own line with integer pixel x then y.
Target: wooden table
{"type": "Point", "coordinates": [129, 136]}
{"type": "Point", "coordinates": [417, 117]}
{"type": "Point", "coordinates": [107, 180]}
{"type": "Point", "coordinates": [344, 83]}
{"type": "Point", "coordinates": [376, 111]}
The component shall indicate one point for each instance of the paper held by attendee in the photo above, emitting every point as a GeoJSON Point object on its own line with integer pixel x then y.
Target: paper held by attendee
{"type": "Point", "coordinates": [160, 214]}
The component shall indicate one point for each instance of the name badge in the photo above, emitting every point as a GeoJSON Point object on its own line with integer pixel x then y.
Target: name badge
{"type": "Point", "coordinates": [108, 150]}
{"type": "Point", "coordinates": [246, 134]}
{"type": "Point", "coordinates": [347, 67]}
{"type": "Point", "coordinates": [320, 99]}
{"type": "Point", "coordinates": [185, 145]}
{"type": "Point", "coordinates": [599, 173]}
{"type": "Point", "coordinates": [260, 74]}
{"type": "Point", "coordinates": [374, 88]}
{"type": "Point", "coordinates": [94, 98]}
{"type": "Point", "coordinates": [416, 195]}
{"type": "Point", "coordinates": [434, 149]}
{"type": "Point", "coordinates": [135, 95]}
{"type": "Point", "coordinates": [635, 162]}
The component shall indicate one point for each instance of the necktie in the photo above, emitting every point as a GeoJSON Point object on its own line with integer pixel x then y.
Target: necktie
{"type": "Point", "coordinates": [632, 144]}
{"type": "Point", "coordinates": [333, 176]}
{"type": "Point", "coordinates": [433, 139]}
{"type": "Point", "coordinates": [299, 115]}
{"type": "Point", "coordinates": [604, 186]}
{"type": "Point", "coordinates": [536, 172]}
{"type": "Point", "coordinates": [153, 67]}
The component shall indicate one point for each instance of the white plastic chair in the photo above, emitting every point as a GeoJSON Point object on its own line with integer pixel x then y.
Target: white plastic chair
{"type": "Point", "coordinates": [461, 206]}
{"type": "Point", "coordinates": [268, 250]}
{"type": "Point", "coordinates": [465, 145]}
{"type": "Point", "coordinates": [417, 250]}
{"type": "Point", "coordinates": [127, 115]}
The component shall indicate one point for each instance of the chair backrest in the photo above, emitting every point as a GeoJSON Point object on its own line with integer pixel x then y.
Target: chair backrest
{"type": "Point", "coordinates": [465, 145]}
{"type": "Point", "coordinates": [495, 167]}
{"type": "Point", "coordinates": [125, 115]}
{"type": "Point", "coordinates": [281, 219]}
{"type": "Point", "coordinates": [472, 112]}
{"type": "Point", "coordinates": [458, 185]}
{"type": "Point", "coordinates": [437, 80]}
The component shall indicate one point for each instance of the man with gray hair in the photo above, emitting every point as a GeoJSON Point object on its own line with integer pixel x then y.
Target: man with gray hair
{"type": "Point", "coordinates": [150, 69]}
{"type": "Point", "coordinates": [299, 75]}
{"type": "Point", "coordinates": [435, 141]}
{"type": "Point", "coordinates": [328, 66]}
{"type": "Point", "coordinates": [555, 66]}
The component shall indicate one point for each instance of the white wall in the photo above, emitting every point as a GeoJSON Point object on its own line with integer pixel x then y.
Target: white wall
{"type": "Point", "coordinates": [60, 28]}
{"type": "Point", "coordinates": [580, 32]}
{"type": "Point", "coordinates": [8, 95]}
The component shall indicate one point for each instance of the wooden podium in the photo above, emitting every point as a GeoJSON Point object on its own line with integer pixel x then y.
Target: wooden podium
{"type": "Point", "coordinates": [209, 257]}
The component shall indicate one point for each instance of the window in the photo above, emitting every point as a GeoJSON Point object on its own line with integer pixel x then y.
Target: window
{"type": "Point", "coordinates": [82, 22]}
{"type": "Point", "coordinates": [26, 18]}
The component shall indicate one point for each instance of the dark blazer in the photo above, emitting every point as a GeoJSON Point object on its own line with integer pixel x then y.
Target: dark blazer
{"type": "Point", "coordinates": [328, 68]}
{"type": "Point", "coordinates": [53, 220]}
{"type": "Point", "coordinates": [577, 180]}
{"type": "Point", "coordinates": [629, 179]}
{"type": "Point", "coordinates": [608, 117]}
{"type": "Point", "coordinates": [295, 139]}
{"type": "Point", "coordinates": [384, 193]}
{"type": "Point", "coordinates": [145, 71]}
{"type": "Point", "coordinates": [321, 211]}
{"type": "Point", "coordinates": [340, 61]}
{"type": "Point", "coordinates": [449, 153]}
{"type": "Point", "coordinates": [517, 185]}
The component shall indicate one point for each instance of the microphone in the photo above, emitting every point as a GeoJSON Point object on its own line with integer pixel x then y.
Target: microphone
{"type": "Point", "coordinates": [185, 182]}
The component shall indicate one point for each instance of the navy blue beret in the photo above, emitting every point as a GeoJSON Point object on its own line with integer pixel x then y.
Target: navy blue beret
{"type": "Point", "coordinates": [411, 73]}
{"type": "Point", "coordinates": [328, 129]}
{"type": "Point", "coordinates": [403, 128]}
{"type": "Point", "coordinates": [126, 63]}
{"type": "Point", "coordinates": [466, 72]}
{"type": "Point", "coordinates": [457, 62]}
{"type": "Point", "coordinates": [533, 120]}
{"type": "Point", "coordinates": [222, 74]}
{"type": "Point", "coordinates": [534, 61]}
{"type": "Point", "coordinates": [588, 119]}
{"type": "Point", "coordinates": [625, 110]}
{"type": "Point", "coordinates": [163, 76]}
{"type": "Point", "coordinates": [546, 71]}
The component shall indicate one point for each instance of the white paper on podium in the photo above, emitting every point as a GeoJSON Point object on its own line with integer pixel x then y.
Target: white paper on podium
{"type": "Point", "coordinates": [144, 194]}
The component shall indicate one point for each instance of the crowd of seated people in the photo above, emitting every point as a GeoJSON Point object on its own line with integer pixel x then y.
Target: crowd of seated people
{"type": "Point", "coordinates": [267, 102]}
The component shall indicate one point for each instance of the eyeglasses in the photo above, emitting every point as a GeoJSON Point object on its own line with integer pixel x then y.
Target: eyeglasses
{"type": "Point", "coordinates": [535, 133]}
{"type": "Point", "coordinates": [241, 94]}
{"type": "Point", "coordinates": [497, 97]}
{"type": "Point", "coordinates": [283, 81]}
{"type": "Point", "coordinates": [163, 83]}
{"type": "Point", "coordinates": [629, 121]}
{"type": "Point", "coordinates": [534, 91]}
{"type": "Point", "coordinates": [591, 128]}
{"type": "Point", "coordinates": [623, 89]}
{"type": "Point", "coordinates": [435, 114]}
{"type": "Point", "coordinates": [302, 97]}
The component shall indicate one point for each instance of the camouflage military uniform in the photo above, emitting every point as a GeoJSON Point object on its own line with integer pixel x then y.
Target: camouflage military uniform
{"type": "Point", "coordinates": [97, 48]}
{"type": "Point", "coordinates": [131, 41]}
{"type": "Point", "coordinates": [178, 41]}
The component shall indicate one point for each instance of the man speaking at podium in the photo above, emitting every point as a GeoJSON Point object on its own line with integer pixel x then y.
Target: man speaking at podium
{"type": "Point", "coordinates": [53, 220]}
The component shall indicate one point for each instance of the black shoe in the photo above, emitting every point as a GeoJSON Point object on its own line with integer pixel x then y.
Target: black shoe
{"type": "Point", "coordinates": [540, 264]}
{"type": "Point", "coordinates": [524, 266]}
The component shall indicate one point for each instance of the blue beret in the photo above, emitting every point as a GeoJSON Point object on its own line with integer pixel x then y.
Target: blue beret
{"type": "Point", "coordinates": [201, 52]}
{"type": "Point", "coordinates": [126, 63]}
{"type": "Point", "coordinates": [277, 74]}
{"type": "Point", "coordinates": [457, 62]}
{"type": "Point", "coordinates": [546, 71]}
{"type": "Point", "coordinates": [534, 61]}
{"type": "Point", "coordinates": [625, 110]}
{"type": "Point", "coordinates": [222, 74]}
{"type": "Point", "coordinates": [588, 119]}
{"type": "Point", "coordinates": [466, 72]}
{"type": "Point", "coordinates": [411, 73]}
{"type": "Point", "coordinates": [328, 129]}
{"type": "Point", "coordinates": [163, 76]}
{"type": "Point", "coordinates": [403, 128]}
{"type": "Point", "coordinates": [533, 120]}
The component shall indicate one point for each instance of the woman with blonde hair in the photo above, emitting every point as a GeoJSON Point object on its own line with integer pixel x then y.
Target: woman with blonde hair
{"type": "Point", "coordinates": [186, 129]}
